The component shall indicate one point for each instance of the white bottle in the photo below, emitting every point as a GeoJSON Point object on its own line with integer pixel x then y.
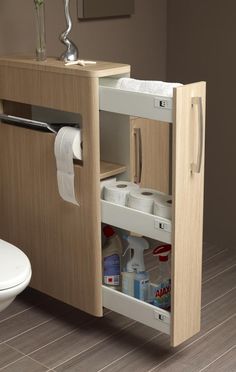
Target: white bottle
{"type": "Point", "coordinates": [111, 259]}
{"type": "Point", "coordinates": [135, 278]}
{"type": "Point", "coordinates": [160, 287]}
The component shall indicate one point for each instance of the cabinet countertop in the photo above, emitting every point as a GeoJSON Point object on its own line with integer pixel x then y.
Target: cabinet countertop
{"type": "Point", "coordinates": [100, 69]}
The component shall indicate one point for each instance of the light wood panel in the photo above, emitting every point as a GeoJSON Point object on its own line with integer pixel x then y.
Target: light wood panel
{"type": "Point", "coordinates": [110, 169]}
{"type": "Point", "coordinates": [187, 216]}
{"type": "Point", "coordinates": [53, 65]}
{"type": "Point", "coordinates": [61, 240]}
{"type": "Point", "coordinates": [155, 142]}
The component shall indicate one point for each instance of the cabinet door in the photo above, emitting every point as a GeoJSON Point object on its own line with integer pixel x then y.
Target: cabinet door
{"type": "Point", "coordinates": [187, 221]}
{"type": "Point", "coordinates": [150, 153]}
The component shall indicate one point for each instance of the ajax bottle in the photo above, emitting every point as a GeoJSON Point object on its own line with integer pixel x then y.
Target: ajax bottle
{"type": "Point", "coordinates": [160, 287]}
{"type": "Point", "coordinates": [111, 259]}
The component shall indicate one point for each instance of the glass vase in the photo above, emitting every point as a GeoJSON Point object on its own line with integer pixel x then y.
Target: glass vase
{"type": "Point", "coordinates": [40, 30]}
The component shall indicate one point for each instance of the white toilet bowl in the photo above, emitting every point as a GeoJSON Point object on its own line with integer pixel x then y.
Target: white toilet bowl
{"type": "Point", "coordinates": [15, 273]}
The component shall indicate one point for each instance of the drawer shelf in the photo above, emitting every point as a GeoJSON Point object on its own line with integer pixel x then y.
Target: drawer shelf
{"type": "Point", "coordinates": [146, 224]}
{"type": "Point", "coordinates": [135, 309]}
{"type": "Point", "coordinates": [143, 105]}
{"type": "Point", "coordinates": [110, 169]}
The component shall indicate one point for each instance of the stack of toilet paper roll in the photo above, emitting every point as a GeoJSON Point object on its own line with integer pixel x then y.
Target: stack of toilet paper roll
{"type": "Point", "coordinates": [131, 195]}
{"type": "Point", "coordinates": [118, 192]}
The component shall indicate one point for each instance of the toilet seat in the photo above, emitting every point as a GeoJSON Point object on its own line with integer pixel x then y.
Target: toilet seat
{"type": "Point", "coordinates": [15, 266]}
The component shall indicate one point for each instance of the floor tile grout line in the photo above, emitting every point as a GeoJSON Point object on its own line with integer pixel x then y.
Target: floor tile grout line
{"type": "Point", "coordinates": [219, 357]}
{"type": "Point", "coordinates": [28, 308]}
{"type": "Point", "coordinates": [24, 356]}
{"type": "Point", "coordinates": [215, 255]}
{"type": "Point", "coordinates": [36, 326]}
{"type": "Point", "coordinates": [220, 273]}
{"type": "Point", "coordinates": [129, 352]}
{"type": "Point", "coordinates": [192, 343]}
{"type": "Point", "coordinates": [9, 364]}
{"type": "Point", "coordinates": [66, 334]}
{"type": "Point", "coordinates": [218, 298]}
{"type": "Point", "coordinates": [13, 315]}
{"type": "Point", "coordinates": [28, 330]}
{"type": "Point", "coordinates": [96, 344]}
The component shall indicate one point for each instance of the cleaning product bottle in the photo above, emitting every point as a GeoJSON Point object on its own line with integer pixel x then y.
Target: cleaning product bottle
{"type": "Point", "coordinates": [135, 279]}
{"type": "Point", "coordinates": [160, 287]}
{"type": "Point", "coordinates": [111, 258]}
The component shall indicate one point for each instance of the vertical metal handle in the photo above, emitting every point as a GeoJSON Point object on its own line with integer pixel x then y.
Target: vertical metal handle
{"type": "Point", "coordinates": [196, 167]}
{"type": "Point", "coordinates": [138, 155]}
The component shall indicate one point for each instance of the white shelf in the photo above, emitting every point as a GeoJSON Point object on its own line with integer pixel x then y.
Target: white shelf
{"type": "Point", "coordinates": [134, 104]}
{"type": "Point", "coordinates": [146, 224]}
{"type": "Point", "coordinates": [135, 309]}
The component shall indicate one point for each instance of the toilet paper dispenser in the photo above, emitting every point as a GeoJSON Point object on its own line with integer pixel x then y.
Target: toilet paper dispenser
{"type": "Point", "coordinates": [35, 124]}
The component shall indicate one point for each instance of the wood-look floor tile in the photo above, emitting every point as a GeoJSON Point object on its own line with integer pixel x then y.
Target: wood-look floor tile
{"type": "Point", "coordinates": [52, 330]}
{"type": "Point", "coordinates": [25, 365]}
{"type": "Point", "coordinates": [225, 362]}
{"type": "Point", "coordinates": [8, 355]}
{"type": "Point", "coordinates": [218, 263]}
{"type": "Point", "coordinates": [203, 351]}
{"type": "Point", "coordinates": [109, 350]}
{"type": "Point", "coordinates": [24, 301]}
{"type": "Point", "coordinates": [218, 285]}
{"type": "Point", "coordinates": [210, 250]}
{"type": "Point", "coordinates": [85, 337]}
{"type": "Point", "coordinates": [31, 318]}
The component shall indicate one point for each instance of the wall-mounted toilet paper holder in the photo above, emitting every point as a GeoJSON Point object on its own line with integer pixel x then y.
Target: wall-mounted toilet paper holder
{"type": "Point", "coordinates": [35, 124]}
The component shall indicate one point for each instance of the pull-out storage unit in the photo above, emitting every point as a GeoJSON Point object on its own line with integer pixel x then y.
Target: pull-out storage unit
{"type": "Point", "coordinates": [63, 238]}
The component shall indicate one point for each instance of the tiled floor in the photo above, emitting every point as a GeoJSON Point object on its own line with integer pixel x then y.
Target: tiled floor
{"type": "Point", "coordinates": [40, 334]}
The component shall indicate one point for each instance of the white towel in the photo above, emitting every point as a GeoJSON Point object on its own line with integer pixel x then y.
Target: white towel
{"type": "Point", "coordinates": [159, 88]}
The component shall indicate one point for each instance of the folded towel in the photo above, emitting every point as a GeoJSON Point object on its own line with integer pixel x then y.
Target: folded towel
{"type": "Point", "coordinates": [159, 88]}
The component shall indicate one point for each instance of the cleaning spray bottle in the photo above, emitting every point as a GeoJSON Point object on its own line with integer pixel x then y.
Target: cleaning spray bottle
{"type": "Point", "coordinates": [159, 288]}
{"type": "Point", "coordinates": [135, 279]}
{"type": "Point", "coordinates": [111, 258]}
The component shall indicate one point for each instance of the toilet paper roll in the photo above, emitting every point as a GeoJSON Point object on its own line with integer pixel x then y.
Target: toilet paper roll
{"type": "Point", "coordinates": [142, 200]}
{"type": "Point", "coordinates": [67, 146]}
{"type": "Point", "coordinates": [118, 192]}
{"type": "Point", "coordinates": [163, 206]}
{"type": "Point", "coordinates": [108, 181]}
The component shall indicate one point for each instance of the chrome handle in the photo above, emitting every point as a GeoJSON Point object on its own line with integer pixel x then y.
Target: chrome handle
{"type": "Point", "coordinates": [196, 167]}
{"type": "Point", "coordinates": [138, 155]}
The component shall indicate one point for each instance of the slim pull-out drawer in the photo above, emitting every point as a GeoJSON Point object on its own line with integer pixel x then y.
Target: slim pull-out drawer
{"type": "Point", "coordinates": [139, 104]}
{"type": "Point", "coordinates": [184, 231]}
{"type": "Point", "coordinates": [135, 309]}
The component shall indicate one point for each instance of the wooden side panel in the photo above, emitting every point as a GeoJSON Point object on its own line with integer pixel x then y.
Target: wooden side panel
{"type": "Point", "coordinates": [187, 216]}
{"type": "Point", "coordinates": [61, 239]}
{"type": "Point", "coordinates": [155, 137]}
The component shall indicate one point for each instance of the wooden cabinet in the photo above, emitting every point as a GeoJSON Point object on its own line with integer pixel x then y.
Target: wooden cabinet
{"type": "Point", "coordinates": [63, 241]}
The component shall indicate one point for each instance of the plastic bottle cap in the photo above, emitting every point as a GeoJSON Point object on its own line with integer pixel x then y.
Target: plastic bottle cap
{"type": "Point", "coordinates": [108, 231]}
{"type": "Point", "coordinates": [162, 251]}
